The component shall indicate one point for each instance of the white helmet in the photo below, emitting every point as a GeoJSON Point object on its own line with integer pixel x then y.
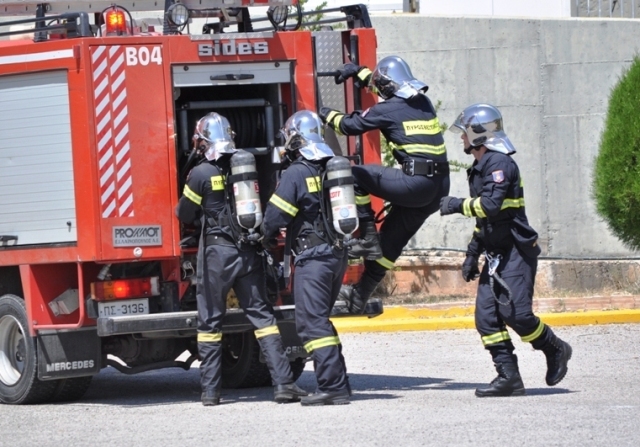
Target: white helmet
{"type": "Point", "coordinates": [215, 132]}
{"type": "Point", "coordinates": [392, 77]}
{"type": "Point", "coordinates": [304, 132]}
{"type": "Point", "coordinates": [483, 125]}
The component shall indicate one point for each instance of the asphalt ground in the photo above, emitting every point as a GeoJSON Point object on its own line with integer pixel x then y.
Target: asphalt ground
{"type": "Point", "coordinates": [411, 388]}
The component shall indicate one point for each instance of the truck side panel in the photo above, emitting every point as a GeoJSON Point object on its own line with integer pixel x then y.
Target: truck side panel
{"type": "Point", "coordinates": [37, 201]}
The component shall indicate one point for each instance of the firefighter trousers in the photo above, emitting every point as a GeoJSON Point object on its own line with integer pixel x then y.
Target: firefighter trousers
{"type": "Point", "coordinates": [413, 199]}
{"type": "Point", "coordinates": [221, 268]}
{"type": "Point", "coordinates": [316, 283]}
{"type": "Point", "coordinates": [492, 318]}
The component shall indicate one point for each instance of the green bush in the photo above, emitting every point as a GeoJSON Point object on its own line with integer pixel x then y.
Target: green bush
{"type": "Point", "coordinates": [617, 166]}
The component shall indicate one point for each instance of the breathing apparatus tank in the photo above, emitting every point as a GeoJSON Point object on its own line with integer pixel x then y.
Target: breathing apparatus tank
{"type": "Point", "coordinates": [246, 193]}
{"type": "Point", "coordinates": [341, 195]}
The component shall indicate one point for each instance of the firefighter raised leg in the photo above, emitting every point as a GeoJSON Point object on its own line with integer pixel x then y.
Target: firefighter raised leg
{"type": "Point", "coordinates": [408, 121]}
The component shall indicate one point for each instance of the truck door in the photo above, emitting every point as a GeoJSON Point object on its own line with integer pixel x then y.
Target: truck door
{"type": "Point", "coordinates": [132, 145]}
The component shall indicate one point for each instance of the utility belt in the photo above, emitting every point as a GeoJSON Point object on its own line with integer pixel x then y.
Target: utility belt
{"type": "Point", "coordinates": [308, 241]}
{"type": "Point", "coordinates": [428, 168]}
{"type": "Point", "coordinates": [218, 239]}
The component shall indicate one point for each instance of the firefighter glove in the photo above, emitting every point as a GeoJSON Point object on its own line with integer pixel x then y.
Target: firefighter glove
{"type": "Point", "coordinates": [327, 115]}
{"type": "Point", "coordinates": [470, 270]}
{"type": "Point", "coordinates": [348, 71]}
{"type": "Point", "coordinates": [450, 205]}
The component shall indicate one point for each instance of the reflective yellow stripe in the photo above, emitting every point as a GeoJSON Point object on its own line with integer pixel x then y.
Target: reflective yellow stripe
{"type": "Point", "coordinates": [189, 194]}
{"type": "Point", "coordinates": [321, 343]}
{"type": "Point", "coordinates": [466, 208]}
{"type": "Point", "coordinates": [477, 207]}
{"type": "Point", "coordinates": [512, 203]}
{"type": "Point", "coordinates": [421, 148]}
{"type": "Point", "coordinates": [332, 115]}
{"type": "Point", "coordinates": [265, 331]}
{"type": "Point", "coordinates": [535, 334]}
{"type": "Point", "coordinates": [473, 207]}
{"type": "Point", "coordinates": [217, 183]}
{"type": "Point", "coordinates": [476, 230]}
{"type": "Point", "coordinates": [385, 263]}
{"type": "Point", "coordinates": [336, 124]}
{"type": "Point", "coordinates": [422, 127]}
{"type": "Point", "coordinates": [363, 74]}
{"type": "Point", "coordinates": [207, 337]}
{"type": "Point", "coordinates": [283, 205]}
{"type": "Point", "coordinates": [498, 337]}
{"type": "Point", "coordinates": [363, 200]}
{"type": "Point", "coordinates": [313, 184]}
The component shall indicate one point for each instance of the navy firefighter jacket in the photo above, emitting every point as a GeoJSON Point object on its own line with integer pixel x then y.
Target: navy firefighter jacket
{"type": "Point", "coordinates": [295, 204]}
{"type": "Point", "coordinates": [410, 126]}
{"type": "Point", "coordinates": [497, 203]}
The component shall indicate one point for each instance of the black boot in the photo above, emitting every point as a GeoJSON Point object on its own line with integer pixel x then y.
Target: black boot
{"type": "Point", "coordinates": [368, 245]}
{"type": "Point", "coordinates": [289, 392]}
{"type": "Point", "coordinates": [558, 353]}
{"type": "Point", "coordinates": [210, 398]}
{"type": "Point", "coordinates": [326, 398]}
{"type": "Point", "coordinates": [507, 383]}
{"type": "Point", "coordinates": [356, 296]}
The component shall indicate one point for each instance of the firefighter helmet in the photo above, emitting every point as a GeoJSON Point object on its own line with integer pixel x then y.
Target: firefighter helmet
{"type": "Point", "coordinates": [482, 123]}
{"type": "Point", "coordinates": [215, 135]}
{"type": "Point", "coordinates": [392, 77]}
{"type": "Point", "coordinates": [304, 132]}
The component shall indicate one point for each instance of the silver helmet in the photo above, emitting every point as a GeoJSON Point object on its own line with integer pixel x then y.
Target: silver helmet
{"type": "Point", "coordinates": [214, 131]}
{"type": "Point", "coordinates": [482, 123]}
{"type": "Point", "coordinates": [392, 77]}
{"type": "Point", "coordinates": [304, 132]}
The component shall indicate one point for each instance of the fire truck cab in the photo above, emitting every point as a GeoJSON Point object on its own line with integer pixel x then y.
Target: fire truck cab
{"type": "Point", "coordinates": [97, 111]}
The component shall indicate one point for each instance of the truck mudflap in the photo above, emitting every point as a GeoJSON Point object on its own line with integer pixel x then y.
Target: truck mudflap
{"type": "Point", "coordinates": [68, 353]}
{"type": "Point", "coordinates": [186, 323]}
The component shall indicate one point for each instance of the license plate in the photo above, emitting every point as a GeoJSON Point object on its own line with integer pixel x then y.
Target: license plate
{"type": "Point", "coordinates": [125, 307]}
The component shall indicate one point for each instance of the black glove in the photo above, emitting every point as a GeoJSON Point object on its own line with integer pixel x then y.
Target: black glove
{"type": "Point", "coordinates": [325, 112]}
{"type": "Point", "coordinates": [470, 270]}
{"type": "Point", "coordinates": [348, 71]}
{"type": "Point", "coordinates": [450, 205]}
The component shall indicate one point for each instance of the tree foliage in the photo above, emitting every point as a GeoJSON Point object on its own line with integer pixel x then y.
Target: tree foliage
{"type": "Point", "coordinates": [616, 182]}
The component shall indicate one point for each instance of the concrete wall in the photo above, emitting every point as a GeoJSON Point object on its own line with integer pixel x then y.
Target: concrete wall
{"type": "Point", "coordinates": [551, 79]}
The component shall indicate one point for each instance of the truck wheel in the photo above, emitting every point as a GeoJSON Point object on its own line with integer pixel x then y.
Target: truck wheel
{"type": "Point", "coordinates": [19, 383]}
{"type": "Point", "coordinates": [69, 390]}
{"type": "Point", "coordinates": [241, 365]}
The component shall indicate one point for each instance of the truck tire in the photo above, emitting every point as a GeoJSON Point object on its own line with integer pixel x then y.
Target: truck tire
{"type": "Point", "coordinates": [69, 390]}
{"type": "Point", "coordinates": [19, 383]}
{"type": "Point", "coordinates": [241, 365]}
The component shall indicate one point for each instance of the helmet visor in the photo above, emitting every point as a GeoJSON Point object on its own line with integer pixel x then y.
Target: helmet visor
{"type": "Point", "coordinates": [215, 149]}
{"type": "Point", "coordinates": [500, 142]}
{"type": "Point", "coordinates": [316, 151]}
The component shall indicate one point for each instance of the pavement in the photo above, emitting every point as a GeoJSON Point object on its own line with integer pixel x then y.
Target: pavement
{"type": "Point", "coordinates": [566, 311]}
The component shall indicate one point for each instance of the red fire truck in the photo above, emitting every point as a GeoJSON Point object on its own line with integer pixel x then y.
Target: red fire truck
{"type": "Point", "coordinates": [97, 110]}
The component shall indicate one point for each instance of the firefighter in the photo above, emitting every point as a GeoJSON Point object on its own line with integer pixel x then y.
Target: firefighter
{"type": "Point", "coordinates": [320, 257]}
{"type": "Point", "coordinates": [227, 259]}
{"type": "Point", "coordinates": [408, 121]}
{"type": "Point", "coordinates": [503, 233]}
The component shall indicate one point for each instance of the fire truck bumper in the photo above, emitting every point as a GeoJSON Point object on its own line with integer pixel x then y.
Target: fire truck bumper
{"type": "Point", "coordinates": [186, 323]}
